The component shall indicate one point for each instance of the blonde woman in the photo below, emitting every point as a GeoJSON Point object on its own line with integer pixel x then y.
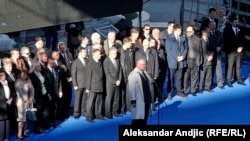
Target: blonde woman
{"type": "Point", "coordinates": [25, 97]}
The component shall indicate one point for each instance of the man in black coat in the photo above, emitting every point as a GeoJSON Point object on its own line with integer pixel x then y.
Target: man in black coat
{"type": "Point", "coordinates": [94, 88]}
{"type": "Point", "coordinates": [233, 47]}
{"type": "Point", "coordinates": [211, 17]}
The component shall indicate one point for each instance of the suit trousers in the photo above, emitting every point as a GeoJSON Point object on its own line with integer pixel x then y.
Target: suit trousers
{"type": "Point", "coordinates": [205, 76]}
{"type": "Point", "coordinates": [94, 104]}
{"type": "Point", "coordinates": [177, 74]}
{"type": "Point", "coordinates": [234, 62]}
{"type": "Point", "coordinates": [191, 77]}
{"type": "Point", "coordinates": [80, 102]}
{"type": "Point", "coordinates": [4, 129]}
{"type": "Point", "coordinates": [112, 100]}
{"type": "Point", "coordinates": [217, 69]}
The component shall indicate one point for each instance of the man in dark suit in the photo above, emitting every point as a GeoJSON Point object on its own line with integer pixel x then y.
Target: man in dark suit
{"type": "Point", "coordinates": [127, 60]}
{"type": "Point", "coordinates": [94, 88]}
{"type": "Point", "coordinates": [176, 47]}
{"type": "Point", "coordinates": [11, 78]}
{"type": "Point", "coordinates": [54, 90]}
{"type": "Point", "coordinates": [233, 47]}
{"type": "Point", "coordinates": [206, 66]}
{"type": "Point", "coordinates": [211, 17]}
{"type": "Point", "coordinates": [66, 59]}
{"type": "Point", "coordinates": [216, 42]}
{"type": "Point", "coordinates": [79, 73]}
{"type": "Point", "coordinates": [113, 73]}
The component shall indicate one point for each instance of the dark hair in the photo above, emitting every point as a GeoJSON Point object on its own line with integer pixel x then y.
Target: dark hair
{"type": "Point", "coordinates": [232, 18]}
{"type": "Point", "coordinates": [2, 70]}
{"type": "Point", "coordinates": [170, 22]}
{"type": "Point", "coordinates": [212, 10]}
{"type": "Point", "coordinates": [177, 26]}
{"type": "Point", "coordinates": [79, 49]}
{"type": "Point", "coordinates": [38, 38]}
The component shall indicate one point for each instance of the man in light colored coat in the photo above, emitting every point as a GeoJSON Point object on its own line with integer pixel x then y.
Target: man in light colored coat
{"type": "Point", "coordinates": [139, 88]}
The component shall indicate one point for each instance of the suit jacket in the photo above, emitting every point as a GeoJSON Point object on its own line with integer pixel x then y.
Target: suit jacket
{"type": "Point", "coordinates": [95, 76]}
{"type": "Point", "coordinates": [67, 62]}
{"type": "Point", "coordinates": [194, 48]}
{"type": "Point", "coordinates": [112, 73]}
{"type": "Point", "coordinates": [207, 50]}
{"type": "Point", "coordinates": [172, 51]}
{"type": "Point", "coordinates": [54, 85]}
{"type": "Point", "coordinates": [106, 46]}
{"type": "Point", "coordinates": [38, 86]}
{"type": "Point", "coordinates": [232, 41]}
{"type": "Point", "coordinates": [3, 105]}
{"type": "Point", "coordinates": [11, 84]}
{"type": "Point", "coordinates": [79, 73]}
{"type": "Point", "coordinates": [206, 21]}
{"type": "Point", "coordinates": [152, 64]}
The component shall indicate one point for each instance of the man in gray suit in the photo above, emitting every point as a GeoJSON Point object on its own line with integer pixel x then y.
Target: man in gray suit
{"type": "Point", "coordinates": [113, 73]}
{"type": "Point", "coordinates": [78, 72]}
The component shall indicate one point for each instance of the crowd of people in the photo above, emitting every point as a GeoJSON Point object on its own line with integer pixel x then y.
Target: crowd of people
{"type": "Point", "coordinates": [111, 77]}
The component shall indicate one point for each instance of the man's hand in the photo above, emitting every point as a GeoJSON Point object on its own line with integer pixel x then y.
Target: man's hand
{"type": "Point", "coordinates": [9, 101]}
{"type": "Point", "coordinates": [87, 91]}
{"type": "Point", "coordinates": [239, 49]}
{"type": "Point", "coordinates": [210, 58]}
{"type": "Point", "coordinates": [117, 83]}
{"type": "Point", "coordinates": [69, 79]}
{"type": "Point", "coordinates": [180, 58]}
{"type": "Point", "coordinates": [60, 94]}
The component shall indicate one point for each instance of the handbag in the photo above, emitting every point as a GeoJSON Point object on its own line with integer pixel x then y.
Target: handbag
{"type": "Point", "coordinates": [31, 113]}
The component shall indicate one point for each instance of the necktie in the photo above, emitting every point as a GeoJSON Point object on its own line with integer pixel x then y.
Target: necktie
{"type": "Point", "coordinates": [65, 57]}
{"type": "Point", "coordinates": [54, 73]}
{"type": "Point", "coordinates": [12, 77]}
{"type": "Point", "coordinates": [235, 31]}
{"type": "Point", "coordinates": [144, 75]}
{"type": "Point", "coordinates": [179, 44]}
{"type": "Point", "coordinates": [113, 60]}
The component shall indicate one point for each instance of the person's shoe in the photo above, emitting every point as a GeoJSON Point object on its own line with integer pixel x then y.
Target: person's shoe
{"type": "Point", "coordinates": [20, 138]}
{"type": "Point", "coordinates": [169, 97]}
{"type": "Point", "coordinates": [101, 118]}
{"type": "Point", "coordinates": [229, 84]}
{"type": "Point", "coordinates": [200, 91]}
{"type": "Point", "coordinates": [38, 131]}
{"type": "Point", "coordinates": [181, 95]}
{"type": "Point", "coordinates": [26, 135]}
{"type": "Point", "coordinates": [118, 115]}
{"type": "Point", "coordinates": [90, 120]}
{"type": "Point", "coordinates": [221, 87]}
{"type": "Point", "coordinates": [241, 83]}
{"type": "Point", "coordinates": [109, 117]}
{"type": "Point", "coordinates": [209, 90]}
{"type": "Point", "coordinates": [76, 117]}
{"type": "Point", "coordinates": [55, 125]}
{"type": "Point", "coordinates": [194, 94]}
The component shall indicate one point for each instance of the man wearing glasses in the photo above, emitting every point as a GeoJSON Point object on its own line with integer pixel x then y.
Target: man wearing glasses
{"type": "Point", "coordinates": [193, 61]}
